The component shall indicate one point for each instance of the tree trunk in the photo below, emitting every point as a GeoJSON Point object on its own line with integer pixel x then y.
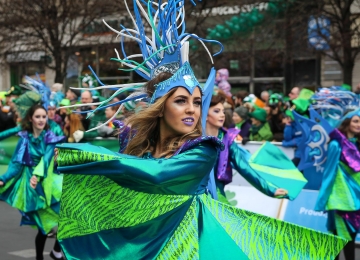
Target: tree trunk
{"type": "Point", "coordinates": [348, 72]}
{"type": "Point", "coordinates": [59, 75]}
{"type": "Point", "coordinates": [348, 59]}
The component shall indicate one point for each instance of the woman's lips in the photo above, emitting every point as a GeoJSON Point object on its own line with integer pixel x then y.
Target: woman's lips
{"type": "Point", "coordinates": [189, 121]}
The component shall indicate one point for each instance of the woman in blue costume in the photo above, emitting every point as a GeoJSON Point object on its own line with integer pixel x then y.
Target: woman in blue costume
{"type": "Point", "coordinates": [151, 201]}
{"type": "Point", "coordinates": [340, 190]}
{"type": "Point", "coordinates": [29, 184]}
{"type": "Point", "coordinates": [233, 156]}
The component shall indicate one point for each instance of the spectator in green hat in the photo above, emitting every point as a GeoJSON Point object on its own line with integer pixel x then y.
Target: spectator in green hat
{"type": "Point", "coordinates": [260, 129]}
{"type": "Point", "coordinates": [276, 117]}
{"type": "Point", "coordinates": [241, 121]}
{"type": "Point", "coordinates": [7, 112]}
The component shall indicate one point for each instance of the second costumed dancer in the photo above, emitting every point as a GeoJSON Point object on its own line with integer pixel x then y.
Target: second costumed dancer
{"type": "Point", "coordinates": [151, 201]}
{"type": "Point", "coordinates": [30, 184]}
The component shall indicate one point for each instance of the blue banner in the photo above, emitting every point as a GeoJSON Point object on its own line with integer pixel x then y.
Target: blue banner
{"type": "Point", "coordinates": [301, 211]}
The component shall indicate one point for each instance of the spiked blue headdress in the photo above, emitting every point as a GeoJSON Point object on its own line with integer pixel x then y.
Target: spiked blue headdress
{"type": "Point", "coordinates": [327, 112]}
{"type": "Point", "coordinates": [39, 87]}
{"type": "Point", "coordinates": [159, 31]}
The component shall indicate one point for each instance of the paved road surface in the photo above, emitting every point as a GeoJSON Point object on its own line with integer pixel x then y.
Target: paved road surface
{"type": "Point", "coordinates": [17, 243]}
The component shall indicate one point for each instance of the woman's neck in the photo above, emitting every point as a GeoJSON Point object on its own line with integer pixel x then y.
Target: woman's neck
{"type": "Point", "coordinates": [350, 135]}
{"type": "Point", "coordinates": [212, 130]}
{"type": "Point", "coordinates": [158, 150]}
{"type": "Point", "coordinates": [36, 133]}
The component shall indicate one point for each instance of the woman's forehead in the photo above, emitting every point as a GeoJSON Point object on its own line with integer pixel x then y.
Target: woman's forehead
{"type": "Point", "coordinates": [183, 91]}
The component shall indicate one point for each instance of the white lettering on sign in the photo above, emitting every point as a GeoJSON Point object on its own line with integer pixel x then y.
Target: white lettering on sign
{"type": "Point", "coordinates": [231, 10]}
{"type": "Point", "coordinates": [311, 212]}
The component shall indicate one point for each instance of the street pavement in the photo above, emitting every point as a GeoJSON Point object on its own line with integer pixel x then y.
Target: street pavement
{"type": "Point", "coordinates": [18, 243]}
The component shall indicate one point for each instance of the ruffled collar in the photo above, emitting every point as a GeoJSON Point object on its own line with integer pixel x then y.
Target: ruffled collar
{"type": "Point", "coordinates": [349, 152]}
{"type": "Point", "coordinates": [38, 139]}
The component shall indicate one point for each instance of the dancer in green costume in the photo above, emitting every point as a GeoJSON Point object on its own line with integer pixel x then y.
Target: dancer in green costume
{"type": "Point", "coordinates": [152, 201]}
{"type": "Point", "coordinates": [235, 156]}
{"type": "Point", "coordinates": [29, 184]}
{"type": "Point", "coordinates": [340, 189]}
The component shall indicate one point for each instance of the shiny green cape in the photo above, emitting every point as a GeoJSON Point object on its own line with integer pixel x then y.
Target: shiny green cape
{"type": "Point", "coordinates": [117, 206]}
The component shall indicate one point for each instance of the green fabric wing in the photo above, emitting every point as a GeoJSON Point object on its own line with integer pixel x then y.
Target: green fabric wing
{"type": "Point", "coordinates": [277, 169]}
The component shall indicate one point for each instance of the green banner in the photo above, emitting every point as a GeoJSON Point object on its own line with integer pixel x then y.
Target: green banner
{"type": "Point", "coordinates": [7, 148]}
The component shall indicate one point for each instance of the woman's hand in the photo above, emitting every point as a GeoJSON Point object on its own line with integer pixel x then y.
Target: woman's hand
{"type": "Point", "coordinates": [33, 182]}
{"type": "Point", "coordinates": [56, 153]}
{"type": "Point", "coordinates": [1, 183]}
{"type": "Point", "coordinates": [280, 192]}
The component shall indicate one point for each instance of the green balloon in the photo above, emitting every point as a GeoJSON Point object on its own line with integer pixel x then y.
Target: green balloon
{"type": "Point", "coordinates": [235, 19]}
{"type": "Point", "coordinates": [272, 8]}
{"type": "Point", "coordinates": [218, 35]}
{"type": "Point", "coordinates": [227, 33]}
{"type": "Point", "coordinates": [229, 23]}
{"type": "Point", "coordinates": [220, 27]}
{"type": "Point", "coordinates": [255, 17]}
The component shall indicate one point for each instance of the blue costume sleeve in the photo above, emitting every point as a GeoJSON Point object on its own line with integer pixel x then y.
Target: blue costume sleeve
{"type": "Point", "coordinates": [239, 158]}
{"type": "Point", "coordinates": [14, 168]}
{"type": "Point", "coordinates": [9, 132]}
{"type": "Point", "coordinates": [288, 133]}
{"type": "Point", "coordinates": [330, 170]}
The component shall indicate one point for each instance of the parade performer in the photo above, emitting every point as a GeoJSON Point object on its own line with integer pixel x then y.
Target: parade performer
{"type": "Point", "coordinates": [30, 184]}
{"type": "Point", "coordinates": [151, 202]}
{"type": "Point", "coordinates": [234, 156]}
{"type": "Point", "coordinates": [26, 101]}
{"type": "Point", "coordinates": [335, 151]}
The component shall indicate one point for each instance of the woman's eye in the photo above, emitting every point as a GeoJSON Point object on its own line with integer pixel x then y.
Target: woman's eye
{"type": "Point", "coordinates": [197, 103]}
{"type": "Point", "coordinates": [180, 101]}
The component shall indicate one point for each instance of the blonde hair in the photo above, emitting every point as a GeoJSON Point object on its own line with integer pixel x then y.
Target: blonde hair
{"type": "Point", "coordinates": [145, 130]}
{"type": "Point", "coordinates": [75, 124]}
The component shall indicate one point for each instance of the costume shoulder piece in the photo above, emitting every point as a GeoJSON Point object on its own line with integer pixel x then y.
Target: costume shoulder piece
{"type": "Point", "coordinates": [51, 138]}
{"type": "Point", "coordinates": [124, 134]}
{"type": "Point", "coordinates": [230, 134]}
{"type": "Point", "coordinates": [192, 143]}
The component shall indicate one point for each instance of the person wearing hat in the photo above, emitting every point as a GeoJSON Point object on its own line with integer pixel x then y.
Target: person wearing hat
{"type": "Point", "coordinates": [73, 95]}
{"type": "Point", "coordinates": [276, 117]}
{"type": "Point", "coordinates": [241, 121]}
{"type": "Point", "coordinates": [7, 112]}
{"type": "Point", "coordinates": [260, 128]}
{"type": "Point", "coordinates": [54, 120]}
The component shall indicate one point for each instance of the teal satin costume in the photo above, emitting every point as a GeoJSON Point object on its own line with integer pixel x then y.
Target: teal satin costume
{"type": "Point", "coordinates": [9, 132]}
{"type": "Point", "coordinates": [339, 193]}
{"type": "Point", "coordinates": [238, 159]}
{"type": "Point", "coordinates": [267, 170]}
{"type": "Point", "coordinates": [34, 156]}
{"type": "Point", "coordinates": [117, 206]}
{"type": "Point", "coordinates": [54, 127]}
